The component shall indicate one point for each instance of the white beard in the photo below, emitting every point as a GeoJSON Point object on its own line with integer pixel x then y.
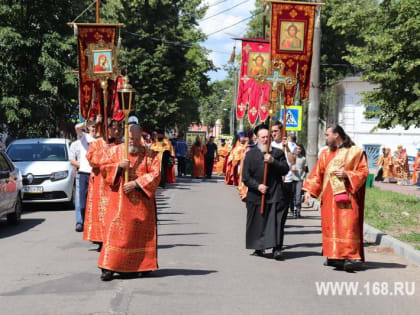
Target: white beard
{"type": "Point", "coordinates": [262, 147]}
{"type": "Point", "coordinates": [133, 149]}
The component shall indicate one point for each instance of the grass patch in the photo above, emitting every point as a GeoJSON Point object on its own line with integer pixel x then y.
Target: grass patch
{"type": "Point", "coordinates": [395, 214]}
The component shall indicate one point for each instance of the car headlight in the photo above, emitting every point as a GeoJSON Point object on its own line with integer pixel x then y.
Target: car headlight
{"type": "Point", "coordinates": [59, 175]}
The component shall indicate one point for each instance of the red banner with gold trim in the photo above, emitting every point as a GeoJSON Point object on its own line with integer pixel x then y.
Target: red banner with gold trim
{"type": "Point", "coordinates": [255, 60]}
{"type": "Point", "coordinates": [292, 28]}
{"type": "Point", "coordinates": [90, 94]}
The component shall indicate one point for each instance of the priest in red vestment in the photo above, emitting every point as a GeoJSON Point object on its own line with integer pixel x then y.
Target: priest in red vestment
{"type": "Point", "coordinates": [166, 154]}
{"type": "Point", "coordinates": [197, 155]}
{"type": "Point", "coordinates": [98, 191]}
{"type": "Point", "coordinates": [130, 233]}
{"type": "Point", "coordinates": [234, 160]}
{"type": "Point", "coordinates": [340, 176]}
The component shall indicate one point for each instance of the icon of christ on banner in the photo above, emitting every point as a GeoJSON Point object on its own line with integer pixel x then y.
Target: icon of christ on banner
{"type": "Point", "coordinates": [292, 35]}
{"type": "Point", "coordinates": [260, 63]}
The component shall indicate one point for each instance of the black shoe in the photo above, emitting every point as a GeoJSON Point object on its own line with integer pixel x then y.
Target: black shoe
{"type": "Point", "coordinates": [145, 273]}
{"type": "Point", "coordinates": [79, 227]}
{"type": "Point", "coordinates": [258, 252]}
{"type": "Point", "coordinates": [351, 265]}
{"type": "Point", "coordinates": [333, 262]}
{"type": "Point", "coordinates": [277, 254]}
{"type": "Point", "coordinates": [107, 275]}
{"type": "Point", "coordinates": [99, 247]}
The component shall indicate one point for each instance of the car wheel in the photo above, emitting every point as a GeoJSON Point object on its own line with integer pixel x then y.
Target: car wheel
{"type": "Point", "coordinates": [70, 204]}
{"type": "Point", "coordinates": [14, 218]}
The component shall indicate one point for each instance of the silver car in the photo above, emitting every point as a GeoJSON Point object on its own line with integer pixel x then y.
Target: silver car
{"type": "Point", "coordinates": [10, 190]}
{"type": "Point", "coordinates": [46, 170]}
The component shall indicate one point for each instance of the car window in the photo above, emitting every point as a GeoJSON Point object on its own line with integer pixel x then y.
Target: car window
{"type": "Point", "coordinates": [4, 166]}
{"type": "Point", "coordinates": [37, 152]}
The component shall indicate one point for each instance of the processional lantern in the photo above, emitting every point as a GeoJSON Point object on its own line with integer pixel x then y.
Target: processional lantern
{"type": "Point", "coordinates": [126, 96]}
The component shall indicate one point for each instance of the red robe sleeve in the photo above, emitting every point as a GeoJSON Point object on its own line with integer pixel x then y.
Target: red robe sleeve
{"type": "Point", "coordinates": [314, 182]}
{"type": "Point", "coordinates": [110, 170]}
{"type": "Point", "coordinates": [357, 177]}
{"type": "Point", "coordinates": [95, 153]}
{"type": "Point", "coordinates": [148, 174]}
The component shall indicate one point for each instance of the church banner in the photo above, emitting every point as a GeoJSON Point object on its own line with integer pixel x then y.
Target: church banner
{"type": "Point", "coordinates": [252, 95]}
{"type": "Point", "coordinates": [292, 28]}
{"type": "Point", "coordinates": [97, 59]}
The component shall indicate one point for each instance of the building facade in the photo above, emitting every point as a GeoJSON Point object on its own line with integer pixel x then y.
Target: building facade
{"type": "Point", "coordinates": [350, 115]}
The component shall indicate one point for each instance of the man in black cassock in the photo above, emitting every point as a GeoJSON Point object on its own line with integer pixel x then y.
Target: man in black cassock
{"type": "Point", "coordinates": [265, 230]}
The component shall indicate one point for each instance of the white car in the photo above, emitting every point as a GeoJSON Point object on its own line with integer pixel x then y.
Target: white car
{"type": "Point", "coordinates": [46, 170]}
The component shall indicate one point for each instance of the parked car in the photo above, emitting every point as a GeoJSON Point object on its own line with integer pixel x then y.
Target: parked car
{"type": "Point", "coordinates": [10, 190]}
{"type": "Point", "coordinates": [46, 170]}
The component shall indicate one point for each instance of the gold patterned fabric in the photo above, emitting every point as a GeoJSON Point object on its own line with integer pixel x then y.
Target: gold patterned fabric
{"type": "Point", "coordinates": [98, 192]}
{"type": "Point", "coordinates": [130, 233]}
{"type": "Point", "coordinates": [342, 223]}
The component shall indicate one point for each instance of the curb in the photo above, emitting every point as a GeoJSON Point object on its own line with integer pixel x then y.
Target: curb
{"type": "Point", "coordinates": [378, 237]}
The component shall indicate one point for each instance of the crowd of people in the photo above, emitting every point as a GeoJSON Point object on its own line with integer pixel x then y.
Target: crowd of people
{"type": "Point", "coordinates": [116, 206]}
{"type": "Point", "coordinates": [395, 168]}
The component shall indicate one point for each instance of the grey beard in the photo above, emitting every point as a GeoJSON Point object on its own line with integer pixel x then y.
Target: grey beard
{"type": "Point", "coordinates": [262, 147]}
{"type": "Point", "coordinates": [133, 149]}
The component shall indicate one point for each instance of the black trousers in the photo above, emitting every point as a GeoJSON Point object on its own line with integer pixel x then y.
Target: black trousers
{"type": "Point", "coordinates": [181, 165]}
{"type": "Point", "coordinates": [83, 190]}
{"type": "Point", "coordinates": [289, 194]}
{"type": "Point", "coordinates": [209, 167]}
{"type": "Point", "coordinates": [165, 160]}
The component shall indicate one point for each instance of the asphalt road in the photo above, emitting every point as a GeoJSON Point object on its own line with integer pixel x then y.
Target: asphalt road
{"type": "Point", "coordinates": [46, 268]}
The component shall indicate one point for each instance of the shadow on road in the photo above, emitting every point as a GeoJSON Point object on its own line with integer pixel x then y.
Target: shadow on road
{"type": "Point", "coordinates": [7, 230]}
{"type": "Point", "coordinates": [302, 245]}
{"type": "Point", "coordinates": [178, 245]}
{"type": "Point", "coordinates": [303, 232]}
{"type": "Point", "coordinates": [382, 265]}
{"type": "Point", "coordinates": [46, 207]}
{"type": "Point", "coordinates": [180, 272]}
{"type": "Point", "coordinates": [178, 234]}
{"type": "Point", "coordinates": [294, 255]}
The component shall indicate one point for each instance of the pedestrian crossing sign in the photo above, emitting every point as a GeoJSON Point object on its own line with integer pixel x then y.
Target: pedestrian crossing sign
{"type": "Point", "coordinates": [293, 117]}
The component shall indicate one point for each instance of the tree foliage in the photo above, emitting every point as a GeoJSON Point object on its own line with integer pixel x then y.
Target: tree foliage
{"type": "Point", "coordinates": [389, 57]}
{"type": "Point", "coordinates": [160, 50]}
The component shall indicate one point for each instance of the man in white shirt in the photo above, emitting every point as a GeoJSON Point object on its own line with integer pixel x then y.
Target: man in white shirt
{"type": "Point", "coordinates": [84, 167]}
{"type": "Point", "coordinates": [280, 143]}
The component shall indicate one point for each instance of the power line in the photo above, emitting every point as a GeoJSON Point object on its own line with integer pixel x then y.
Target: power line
{"type": "Point", "coordinates": [217, 3]}
{"type": "Point", "coordinates": [232, 25]}
{"type": "Point", "coordinates": [223, 11]}
{"type": "Point", "coordinates": [180, 44]}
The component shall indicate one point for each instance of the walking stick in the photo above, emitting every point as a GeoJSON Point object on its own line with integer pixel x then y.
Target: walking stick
{"type": "Point", "coordinates": [104, 87]}
{"type": "Point", "coordinates": [266, 163]}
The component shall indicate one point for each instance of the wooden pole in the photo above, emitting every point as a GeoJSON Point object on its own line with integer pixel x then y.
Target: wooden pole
{"type": "Point", "coordinates": [126, 146]}
{"type": "Point", "coordinates": [104, 87]}
{"type": "Point", "coordinates": [97, 10]}
{"type": "Point", "coordinates": [270, 125]}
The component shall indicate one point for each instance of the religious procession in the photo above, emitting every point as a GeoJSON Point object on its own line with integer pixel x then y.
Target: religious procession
{"type": "Point", "coordinates": [210, 157]}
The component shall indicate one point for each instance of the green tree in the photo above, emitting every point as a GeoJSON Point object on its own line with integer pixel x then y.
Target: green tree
{"type": "Point", "coordinates": [36, 57]}
{"type": "Point", "coordinates": [389, 57]}
{"type": "Point", "coordinates": [166, 64]}
{"type": "Point", "coordinates": [161, 52]}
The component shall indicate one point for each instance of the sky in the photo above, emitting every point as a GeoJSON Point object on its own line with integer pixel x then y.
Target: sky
{"type": "Point", "coordinates": [221, 43]}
